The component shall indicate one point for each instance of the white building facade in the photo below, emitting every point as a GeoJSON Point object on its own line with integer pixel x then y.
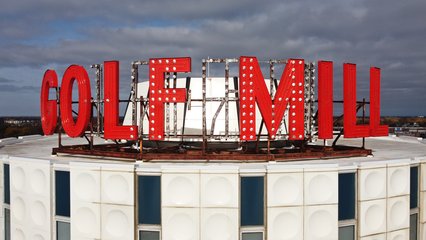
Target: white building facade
{"type": "Point", "coordinates": [81, 198]}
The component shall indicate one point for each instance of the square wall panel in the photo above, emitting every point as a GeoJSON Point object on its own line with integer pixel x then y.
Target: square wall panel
{"type": "Point", "coordinates": [372, 217]}
{"type": "Point", "coordinates": [181, 223]}
{"type": "Point", "coordinates": [85, 185]}
{"type": "Point", "coordinates": [285, 189]}
{"type": "Point", "coordinates": [39, 235]}
{"type": "Point", "coordinates": [422, 231]}
{"type": "Point", "coordinates": [219, 190]}
{"type": "Point", "coordinates": [85, 220]}
{"type": "Point", "coordinates": [398, 213]}
{"type": "Point", "coordinates": [180, 190]}
{"type": "Point", "coordinates": [19, 210]}
{"type": "Point", "coordinates": [397, 235]}
{"type": "Point", "coordinates": [117, 222]}
{"type": "Point", "coordinates": [39, 214]}
{"type": "Point", "coordinates": [423, 176]}
{"type": "Point", "coordinates": [285, 223]}
{"type": "Point", "coordinates": [19, 177]}
{"type": "Point", "coordinates": [372, 183]}
{"type": "Point", "coordinates": [423, 207]}
{"type": "Point", "coordinates": [398, 181]}
{"type": "Point", "coordinates": [19, 232]}
{"type": "Point", "coordinates": [375, 237]}
{"type": "Point", "coordinates": [321, 188]}
{"type": "Point", "coordinates": [219, 223]}
{"type": "Point", "coordinates": [321, 222]}
{"type": "Point", "coordinates": [39, 179]}
{"type": "Point", "coordinates": [117, 187]}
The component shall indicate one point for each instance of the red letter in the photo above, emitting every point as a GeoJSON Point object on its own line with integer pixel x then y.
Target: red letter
{"type": "Point", "coordinates": [79, 74]}
{"type": "Point", "coordinates": [349, 104]}
{"type": "Point", "coordinates": [49, 110]}
{"type": "Point", "coordinates": [290, 92]}
{"type": "Point", "coordinates": [158, 95]}
{"type": "Point", "coordinates": [325, 100]}
{"type": "Point", "coordinates": [349, 119]}
{"type": "Point", "coordinates": [111, 129]}
{"type": "Point", "coordinates": [375, 128]}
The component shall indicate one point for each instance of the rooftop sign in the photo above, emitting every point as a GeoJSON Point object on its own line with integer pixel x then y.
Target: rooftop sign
{"type": "Point", "coordinates": [289, 96]}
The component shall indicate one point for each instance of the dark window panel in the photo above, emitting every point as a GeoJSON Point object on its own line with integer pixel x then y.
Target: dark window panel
{"type": "Point", "coordinates": [149, 199]}
{"type": "Point", "coordinates": [347, 196]}
{"type": "Point", "coordinates": [347, 233]}
{"type": "Point", "coordinates": [63, 231]}
{"type": "Point", "coordinates": [414, 187]}
{"type": "Point", "coordinates": [149, 235]}
{"type": "Point", "coordinates": [413, 226]}
{"type": "Point", "coordinates": [62, 193]}
{"type": "Point", "coordinates": [6, 181]}
{"type": "Point", "coordinates": [6, 224]}
{"type": "Point", "coordinates": [252, 201]}
{"type": "Point", "coordinates": [252, 236]}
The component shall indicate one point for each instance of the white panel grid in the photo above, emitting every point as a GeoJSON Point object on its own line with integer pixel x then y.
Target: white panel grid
{"type": "Point", "coordinates": [85, 220]}
{"type": "Point", "coordinates": [117, 187]}
{"type": "Point", "coordinates": [423, 176]}
{"type": "Point", "coordinates": [219, 190]}
{"type": "Point", "coordinates": [285, 223]}
{"type": "Point", "coordinates": [285, 189]}
{"type": "Point", "coordinates": [321, 188]}
{"type": "Point", "coordinates": [372, 217]}
{"type": "Point", "coordinates": [403, 234]}
{"type": "Point", "coordinates": [180, 190]}
{"type": "Point", "coordinates": [422, 199]}
{"type": "Point", "coordinates": [321, 222]}
{"type": "Point", "coordinates": [180, 223]}
{"type": "Point", "coordinates": [85, 201]}
{"type": "Point", "coordinates": [422, 231]}
{"type": "Point", "coordinates": [117, 202]}
{"type": "Point", "coordinates": [375, 237]}
{"type": "Point", "coordinates": [398, 181]}
{"type": "Point", "coordinates": [219, 223]}
{"type": "Point", "coordinates": [117, 222]}
{"type": "Point", "coordinates": [30, 198]}
{"type": "Point", "coordinates": [372, 183]}
{"type": "Point", "coordinates": [398, 213]}
{"type": "Point", "coordinates": [85, 184]}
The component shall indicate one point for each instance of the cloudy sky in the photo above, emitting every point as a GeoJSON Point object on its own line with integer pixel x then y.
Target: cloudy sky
{"type": "Point", "coordinates": [390, 34]}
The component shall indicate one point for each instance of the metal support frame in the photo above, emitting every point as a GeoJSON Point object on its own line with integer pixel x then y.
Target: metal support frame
{"type": "Point", "coordinates": [157, 148]}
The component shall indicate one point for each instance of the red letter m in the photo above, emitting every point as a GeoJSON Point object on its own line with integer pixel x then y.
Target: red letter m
{"type": "Point", "coordinates": [290, 93]}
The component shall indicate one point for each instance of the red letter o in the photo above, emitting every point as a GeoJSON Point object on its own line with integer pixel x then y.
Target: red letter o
{"type": "Point", "coordinates": [78, 73]}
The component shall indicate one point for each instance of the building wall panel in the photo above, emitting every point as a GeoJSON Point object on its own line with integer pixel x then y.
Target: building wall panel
{"type": "Point", "coordinates": [219, 223]}
{"type": "Point", "coordinates": [180, 223]}
{"type": "Point", "coordinates": [321, 222]}
{"type": "Point", "coordinates": [285, 223]}
{"type": "Point", "coordinates": [285, 189]}
{"type": "Point", "coordinates": [372, 217]}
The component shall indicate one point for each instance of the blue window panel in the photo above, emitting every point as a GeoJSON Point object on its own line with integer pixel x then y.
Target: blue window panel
{"type": "Point", "coordinates": [414, 187]}
{"type": "Point", "coordinates": [347, 233]}
{"type": "Point", "coordinates": [62, 193]}
{"type": "Point", "coordinates": [63, 231]}
{"type": "Point", "coordinates": [6, 181]}
{"type": "Point", "coordinates": [252, 201]}
{"type": "Point", "coordinates": [347, 196]}
{"type": "Point", "coordinates": [149, 199]}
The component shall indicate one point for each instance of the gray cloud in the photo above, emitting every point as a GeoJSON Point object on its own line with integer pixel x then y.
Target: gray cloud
{"type": "Point", "coordinates": [386, 34]}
